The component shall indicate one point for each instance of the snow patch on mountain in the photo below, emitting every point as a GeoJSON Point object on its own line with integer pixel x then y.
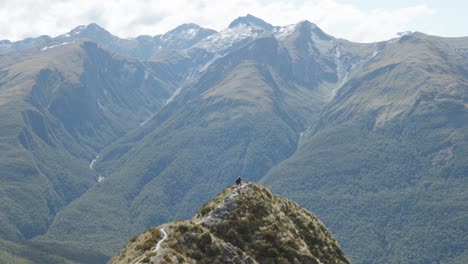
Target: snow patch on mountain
{"type": "Point", "coordinates": [190, 33]}
{"type": "Point", "coordinates": [177, 92]}
{"type": "Point", "coordinates": [283, 32]}
{"type": "Point", "coordinates": [91, 164]}
{"type": "Point", "coordinates": [101, 107]}
{"type": "Point", "coordinates": [342, 73]}
{"type": "Point", "coordinates": [78, 30]}
{"type": "Point", "coordinates": [187, 34]}
{"type": "Point", "coordinates": [228, 37]}
{"type": "Point", "coordinates": [404, 33]}
{"type": "Point", "coordinates": [376, 52]}
{"type": "Point", "coordinates": [53, 46]}
{"type": "Point", "coordinates": [210, 62]}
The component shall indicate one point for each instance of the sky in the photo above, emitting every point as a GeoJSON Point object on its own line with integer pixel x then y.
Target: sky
{"type": "Point", "coordinates": [355, 20]}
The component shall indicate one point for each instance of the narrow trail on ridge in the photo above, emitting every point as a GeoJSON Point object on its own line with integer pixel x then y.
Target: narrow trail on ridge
{"type": "Point", "coordinates": [157, 247]}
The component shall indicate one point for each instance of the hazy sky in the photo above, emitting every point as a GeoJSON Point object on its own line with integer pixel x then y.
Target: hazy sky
{"type": "Point", "coordinates": [356, 20]}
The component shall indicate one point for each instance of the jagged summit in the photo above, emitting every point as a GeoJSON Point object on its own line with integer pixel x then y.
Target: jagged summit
{"type": "Point", "coordinates": [245, 224]}
{"type": "Point", "coordinates": [252, 21]}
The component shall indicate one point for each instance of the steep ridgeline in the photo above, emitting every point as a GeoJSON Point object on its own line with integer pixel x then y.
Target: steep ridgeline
{"type": "Point", "coordinates": [245, 224]}
{"type": "Point", "coordinates": [58, 108]}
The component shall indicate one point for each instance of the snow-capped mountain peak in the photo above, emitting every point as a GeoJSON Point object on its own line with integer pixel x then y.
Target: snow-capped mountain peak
{"type": "Point", "coordinates": [93, 27]}
{"type": "Point", "coordinates": [305, 27]}
{"type": "Point", "coordinates": [184, 31]}
{"type": "Point", "coordinates": [228, 38]}
{"type": "Point", "coordinates": [283, 32]}
{"type": "Point", "coordinates": [404, 33]}
{"type": "Point", "coordinates": [254, 22]}
{"type": "Point", "coordinates": [241, 30]}
{"type": "Point", "coordinates": [184, 36]}
{"type": "Point", "coordinates": [77, 30]}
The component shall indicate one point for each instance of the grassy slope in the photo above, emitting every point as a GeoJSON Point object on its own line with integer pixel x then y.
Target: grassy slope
{"type": "Point", "coordinates": [253, 227]}
{"type": "Point", "coordinates": [25, 252]}
{"type": "Point", "coordinates": [386, 163]}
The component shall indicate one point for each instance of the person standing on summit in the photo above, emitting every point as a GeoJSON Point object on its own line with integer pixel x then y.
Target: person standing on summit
{"type": "Point", "coordinates": [238, 180]}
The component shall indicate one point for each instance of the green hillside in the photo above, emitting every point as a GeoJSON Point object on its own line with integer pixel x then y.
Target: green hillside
{"type": "Point", "coordinates": [387, 161]}
{"type": "Point", "coordinates": [26, 252]}
{"type": "Point", "coordinates": [59, 108]}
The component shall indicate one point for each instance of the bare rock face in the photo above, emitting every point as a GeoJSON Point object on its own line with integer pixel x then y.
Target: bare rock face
{"type": "Point", "coordinates": [243, 224]}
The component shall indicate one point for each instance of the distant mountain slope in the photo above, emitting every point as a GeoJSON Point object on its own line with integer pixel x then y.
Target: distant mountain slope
{"type": "Point", "coordinates": [389, 155]}
{"type": "Point", "coordinates": [244, 224]}
{"type": "Point", "coordinates": [141, 47]}
{"type": "Point", "coordinates": [27, 252]}
{"type": "Point", "coordinates": [59, 107]}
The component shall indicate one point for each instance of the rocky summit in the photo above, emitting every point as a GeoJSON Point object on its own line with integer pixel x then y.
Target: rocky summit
{"type": "Point", "coordinates": [242, 224]}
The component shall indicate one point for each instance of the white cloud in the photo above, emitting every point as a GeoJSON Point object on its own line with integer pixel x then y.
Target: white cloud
{"type": "Point", "coordinates": [130, 18]}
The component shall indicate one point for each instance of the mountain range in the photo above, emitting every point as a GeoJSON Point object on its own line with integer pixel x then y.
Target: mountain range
{"type": "Point", "coordinates": [102, 137]}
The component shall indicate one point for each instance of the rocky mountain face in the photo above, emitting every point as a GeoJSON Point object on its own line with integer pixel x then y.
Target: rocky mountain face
{"type": "Point", "coordinates": [102, 138]}
{"type": "Point", "coordinates": [243, 224]}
